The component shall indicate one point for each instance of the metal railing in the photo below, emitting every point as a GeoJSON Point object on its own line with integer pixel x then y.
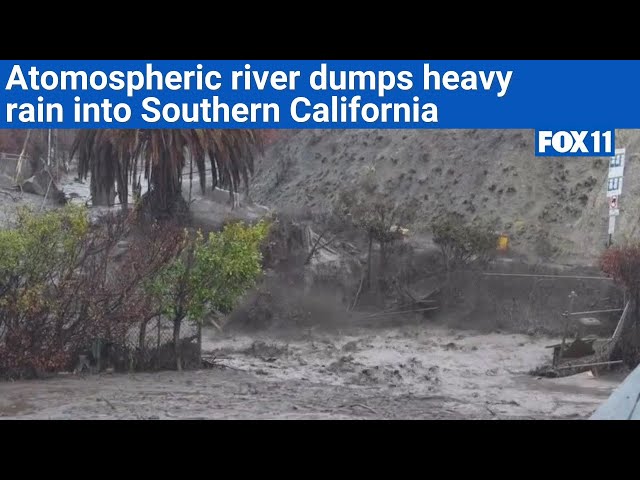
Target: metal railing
{"type": "Point", "coordinates": [10, 156]}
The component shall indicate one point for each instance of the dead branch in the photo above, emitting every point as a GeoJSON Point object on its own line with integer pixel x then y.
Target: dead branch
{"type": "Point", "coordinates": [108, 403]}
{"type": "Point", "coordinates": [44, 200]}
{"type": "Point", "coordinates": [355, 300]}
{"type": "Point", "coordinates": [404, 291]}
{"type": "Point", "coordinates": [364, 406]}
{"type": "Point", "coordinates": [401, 312]}
{"type": "Point", "coordinates": [327, 243]}
{"type": "Point", "coordinates": [215, 324]}
{"type": "Point", "coordinates": [614, 362]}
{"type": "Point", "coordinates": [224, 365]}
{"type": "Point", "coordinates": [315, 247]}
{"type": "Point", "coordinates": [21, 157]}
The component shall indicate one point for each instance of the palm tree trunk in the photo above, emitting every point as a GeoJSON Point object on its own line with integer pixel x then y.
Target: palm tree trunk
{"type": "Point", "coordinates": [102, 195]}
{"type": "Point", "coordinates": [165, 193]}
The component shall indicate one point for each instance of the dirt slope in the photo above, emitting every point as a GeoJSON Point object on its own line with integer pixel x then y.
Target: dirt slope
{"type": "Point", "coordinates": [552, 208]}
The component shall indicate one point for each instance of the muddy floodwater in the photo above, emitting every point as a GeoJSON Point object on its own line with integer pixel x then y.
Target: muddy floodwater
{"type": "Point", "coordinates": [395, 373]}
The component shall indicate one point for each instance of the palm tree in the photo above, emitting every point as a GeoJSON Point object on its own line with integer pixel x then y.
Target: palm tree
{"type": "Point", "coordinates": [118, 158]}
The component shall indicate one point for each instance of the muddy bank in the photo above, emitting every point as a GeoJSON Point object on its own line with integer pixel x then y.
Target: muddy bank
{"type": "Point", "coordinates": [415, 372]}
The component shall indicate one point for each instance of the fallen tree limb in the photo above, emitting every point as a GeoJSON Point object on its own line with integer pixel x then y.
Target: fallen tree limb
{"type": "Point", "coordinates": [614, 362]}
{"type": "Point", "coordinates": [355, 300]}
{"type": "Point", "coordinates": [365, 407]}
{"type": "Point", "coordinates": [575, 277]}
{"type": "Point", "coordinates": [108, 403]}
{"type": "Point", "coordinates": [598, 311]}
{"type": "Point", "coordinates": [403, 311]}
{"type": "Point", "coordinates": [215, 324]}
{"type": "Point", "coordinates": [44, 200]}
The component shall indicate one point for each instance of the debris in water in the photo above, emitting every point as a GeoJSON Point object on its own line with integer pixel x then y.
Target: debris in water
{"type": "Point", "coordinates": [350, 346]}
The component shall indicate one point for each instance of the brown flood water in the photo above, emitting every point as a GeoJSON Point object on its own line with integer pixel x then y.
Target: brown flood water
{"type": "Point", "coordinates": [395, 373]}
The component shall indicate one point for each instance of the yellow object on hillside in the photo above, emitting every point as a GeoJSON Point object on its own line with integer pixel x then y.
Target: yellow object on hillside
{"type": "Point", "coordinates": [503, 243]}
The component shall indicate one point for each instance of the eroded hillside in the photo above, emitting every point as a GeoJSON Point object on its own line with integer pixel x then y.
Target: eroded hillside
{"type": "Point", "coordinates": [552, 208]}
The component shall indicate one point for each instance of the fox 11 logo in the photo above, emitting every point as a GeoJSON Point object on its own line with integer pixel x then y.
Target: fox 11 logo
{"type": "Point", "coordinates": [575, 143]}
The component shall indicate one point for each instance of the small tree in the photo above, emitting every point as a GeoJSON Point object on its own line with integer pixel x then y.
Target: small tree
{"type": "Point", "coordinates": [463, 243]}
{"type": "Point", "coordinates": [60, 287]}
{"type": "Point", "coordinates": [38, 258]}
{"type": "Point", "coordinates": [375, 214]}
{"type": "Point", "coordinates": [210, 275]}
{"type": "Point", "coordinates": [622, 263]}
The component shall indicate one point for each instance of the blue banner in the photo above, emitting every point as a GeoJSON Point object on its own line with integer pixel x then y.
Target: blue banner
{"type": "Point", "coordinates": [570, 95]}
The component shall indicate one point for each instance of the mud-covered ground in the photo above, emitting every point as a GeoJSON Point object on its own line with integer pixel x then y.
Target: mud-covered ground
{"type": "Point", "coordinates": [413, 372]}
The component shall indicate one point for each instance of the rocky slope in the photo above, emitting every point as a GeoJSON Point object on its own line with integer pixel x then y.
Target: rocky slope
{"type": "Point", "coordinates": [551, 208]}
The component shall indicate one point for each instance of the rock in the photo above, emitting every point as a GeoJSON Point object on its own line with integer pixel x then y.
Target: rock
{"type": "Point", "coordinates": [40, 183]}
{"type": "Point", "coordinates": [30, 185]}
{"type": "Point", "coordinates": [37, 184]}
{"type": "Point", "coordinates": [350, 347]}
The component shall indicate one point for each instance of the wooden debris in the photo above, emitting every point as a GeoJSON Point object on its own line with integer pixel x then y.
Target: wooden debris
{"type": "Point", "coordinates": [586, 365]}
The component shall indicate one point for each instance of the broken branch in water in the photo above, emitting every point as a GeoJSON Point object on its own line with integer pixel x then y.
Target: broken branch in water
{"type": "Point", "coordinates": [614, 362]}
{"type": "Point", "coordinates": [215, 324]}
{"type": "Point", "coordinates": [401, 312]}
{"type": "Point", "coordinates": [491, 411]}
{"type": "Point", "coordinates": [355, 300]}
{"type": "Point", "coordinates": [224, 365]}
{"type": "Point", "coordinates": [317, 247]}
{"type": "Point", "coordinates": [108, 403]}
{"type": "Point", "coordinates": [44, 200]}
{"type": "Point", "coordinates": [365, 407]}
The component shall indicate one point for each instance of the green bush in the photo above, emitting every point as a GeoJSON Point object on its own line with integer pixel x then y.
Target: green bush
{"type": "Point", "coordinates": [463, 243]}
{"type": "Point", "coordinates": [38, 256]}
{"type": "Point", "coordinates": [61, 286]}
{"type": "Point", "coordinates": [210, 274]}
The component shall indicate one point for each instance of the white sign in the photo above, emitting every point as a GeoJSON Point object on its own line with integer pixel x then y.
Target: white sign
{"type": "Point", "coordinates": [614, 186]}
{"type": "Point", "coordinates": [616, 164]}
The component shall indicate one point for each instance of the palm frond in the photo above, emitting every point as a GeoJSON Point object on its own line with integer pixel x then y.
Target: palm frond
{"type": "Point", "coordinates": [117, 157]}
